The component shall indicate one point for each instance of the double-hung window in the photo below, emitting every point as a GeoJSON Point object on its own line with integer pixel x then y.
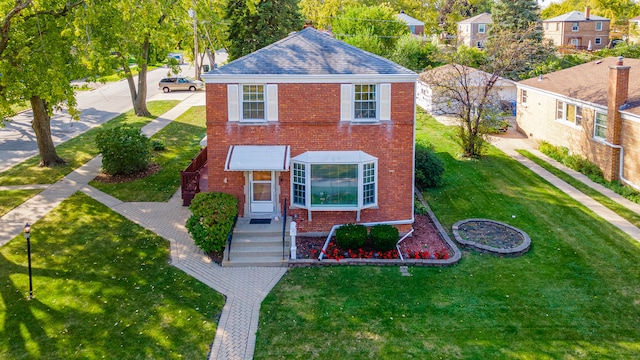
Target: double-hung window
{"type": "Point", "coordinates": [523, 97]}
{"type": "Point", "coordinates": [574, 26]}
{"type": "Point", "coordinates": [482, 28]}
{"type": "Point", "coordinates": [253, 102]}
{"type": "Point", "coordinates": [334, 180]}
{"type": "Point", "coordinates": [569, 113]}
{"type": "Point", "coordinates": [600, 125]}
{"type": "Point", "coordinates": [365, 101]}
{"type": "Point", "coordinates": [598, 25]}
{"type": "Point", "coordinates": [598, 41]}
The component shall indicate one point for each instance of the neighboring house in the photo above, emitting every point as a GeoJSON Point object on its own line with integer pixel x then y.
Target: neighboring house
{"type": "Point", "coordinates": [315, 124]}
{"type": "Point", "coordinates": [503, 92]}
{"type": "Point", "coordinates": [473, 32]}
{"type": "Point", "coordinates": [593, 109]}
{"type": "Point", "coordinates": [416, 27]}
{"type": "Point", "coordinates": [634, 30]}
{"type": "Point", "coordinates": [580, 30]}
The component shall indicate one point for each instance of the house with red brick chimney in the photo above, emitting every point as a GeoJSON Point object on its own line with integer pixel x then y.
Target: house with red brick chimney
{"type": "Point", "coordinates": [316, 127]}
{"type": "Point", "coordinates": [593, 109]}
{"type": "Point", "coordinates": [579, 30]}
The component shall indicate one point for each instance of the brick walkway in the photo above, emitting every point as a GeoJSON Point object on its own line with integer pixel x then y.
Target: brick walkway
{"type": "Point", "coordinates": [244, 288]}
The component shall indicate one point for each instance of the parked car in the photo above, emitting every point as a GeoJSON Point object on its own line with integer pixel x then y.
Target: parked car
{"type": "Point", "coordinates": [179, 83]}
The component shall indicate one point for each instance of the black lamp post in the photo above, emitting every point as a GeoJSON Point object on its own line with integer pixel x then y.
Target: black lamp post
{"type": "Point", "coordinates": [27, 235]}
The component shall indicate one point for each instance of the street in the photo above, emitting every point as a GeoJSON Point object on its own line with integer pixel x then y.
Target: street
{"type": "Point", "coordinates": [18, 141]}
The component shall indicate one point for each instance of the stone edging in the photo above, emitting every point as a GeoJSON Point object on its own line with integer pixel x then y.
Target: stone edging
{"type": "Point", "coordinates": [454, 258]}
{"type": "Point", "coordinates": [517, 251]}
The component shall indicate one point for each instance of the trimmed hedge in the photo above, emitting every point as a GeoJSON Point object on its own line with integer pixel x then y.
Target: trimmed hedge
{"type": "Point", "coordinates": [384, 237]}
{"type": "Point", "coordinates": [125, 150]}
{"type": "Point", "coordinates": [429, 167]}
{"type": "Point", "coordinates": [213, 215]}
{"type": "Point", "coordinates": [351, 236]}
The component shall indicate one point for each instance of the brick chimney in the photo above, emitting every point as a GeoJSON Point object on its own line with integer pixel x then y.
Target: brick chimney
{"type": "Point", "coordinates": [617, 96]}
{"type": "Point", "coordinates": [587, 12]}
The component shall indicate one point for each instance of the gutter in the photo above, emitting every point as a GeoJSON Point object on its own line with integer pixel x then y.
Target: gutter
{"type": "Point", "coordinates": [621, 171]}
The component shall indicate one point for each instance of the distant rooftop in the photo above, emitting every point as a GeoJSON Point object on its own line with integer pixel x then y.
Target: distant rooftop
{"type": "Point", "coordinates": [576, 16]}
{"type": "Point", "coordinates": [409, 20]}
{"type": "Point", "coordinates": [484, 18]}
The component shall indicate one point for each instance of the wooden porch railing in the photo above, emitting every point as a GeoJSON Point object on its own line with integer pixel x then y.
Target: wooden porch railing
{"type": "Point", "coordinates": [190, 177]}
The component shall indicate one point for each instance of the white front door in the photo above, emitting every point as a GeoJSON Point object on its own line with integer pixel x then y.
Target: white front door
{"type": "Point", "coordinates": [262, 191]}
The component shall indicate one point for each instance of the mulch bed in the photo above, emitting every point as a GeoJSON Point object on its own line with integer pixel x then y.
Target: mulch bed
{"type": "Point", "coordinates": [111, 179]}
{"type": "Point", "coordinates": [490, 234]}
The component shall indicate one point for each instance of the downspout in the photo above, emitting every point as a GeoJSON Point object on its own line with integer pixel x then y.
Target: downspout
{"type": "Point", "coordinates": [621, 171]}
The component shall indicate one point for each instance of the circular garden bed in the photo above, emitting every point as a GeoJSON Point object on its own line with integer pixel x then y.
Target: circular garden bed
{"type": "Point", "coordinates": [491, 236]}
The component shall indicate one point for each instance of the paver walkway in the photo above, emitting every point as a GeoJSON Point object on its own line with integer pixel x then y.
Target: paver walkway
{"type": "Point", "coordinates": [244, 288]}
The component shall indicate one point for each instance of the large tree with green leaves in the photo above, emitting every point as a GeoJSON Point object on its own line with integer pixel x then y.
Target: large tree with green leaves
{"type": "Point", "coordinates": [121, 33]}
{"type": "Point", "coordinates": [38, 60]}
{"type": "Point", "coordinates": [372, 28]}
{"type": "Point", "coordinates": [515, 15]}
{"type": "Point", "coordinates": [253, 27]}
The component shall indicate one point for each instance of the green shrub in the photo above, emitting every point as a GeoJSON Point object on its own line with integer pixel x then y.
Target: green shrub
{"type": "Point", "coordinates": [419, 208]}
{"type": "Point", "coordinates": [384, 237]}
{"type": "Point", "coordinates": [158, 145]}
{"type": "Point", "coordinates": [351, 236]}
{"type": "Point", "coordinates": [125, 150]}
{"type": "Point", "coordinates": [212, 218]}
{"type": "Point", "coordinates": [429, 167]}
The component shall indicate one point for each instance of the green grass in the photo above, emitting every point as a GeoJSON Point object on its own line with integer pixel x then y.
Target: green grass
{"type": "Point", "coordinates": [12, 198]}
{"type": "Point", "coordinates": [77, 151]}
{"type": "Point", "coordinates": [102, 289]}
{"type": "Point", "coordinates": [182, 139]}
{"type": "Point", "coordinates": [575, 294]}
{"type": "Point", "coordinates": [624, 212]}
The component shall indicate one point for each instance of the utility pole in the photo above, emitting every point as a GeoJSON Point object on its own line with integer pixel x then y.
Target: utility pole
{"type": "Point", "coordinates": [192, 14]}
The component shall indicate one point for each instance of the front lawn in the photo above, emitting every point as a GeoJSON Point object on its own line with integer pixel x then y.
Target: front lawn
{"type": "Point", "coordinates": [182, 140]}
{"type": "Point", "coordinates": [77, 151]}
{"type": "Point", "coordinates": [103, 288]}
{"type": "Point", "coordinates": [12, 198]}
{"type": "Point", "coordinates": [575, 294]}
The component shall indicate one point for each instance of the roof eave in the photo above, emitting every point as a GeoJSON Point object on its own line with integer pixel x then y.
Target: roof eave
{"type": "Point", "coordinates": [321, 78]}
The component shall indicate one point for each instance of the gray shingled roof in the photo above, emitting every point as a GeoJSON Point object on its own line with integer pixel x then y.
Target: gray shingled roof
{"type": "Point", "coordinates": [484, 18]}
{"type": "Point", "coordinates": [590, 82]}
{"type": "Point", "coordinates": [311, 52]}
{"type": "Point", "coordinates": [409, 20]}
{"type": "Point", "coordinates": [576, 16]}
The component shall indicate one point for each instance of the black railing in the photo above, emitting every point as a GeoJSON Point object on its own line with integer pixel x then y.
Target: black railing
{"type": "Point", "coordinates": [284, 225]}
{"type": "Point", "coordinates": [230, 238]}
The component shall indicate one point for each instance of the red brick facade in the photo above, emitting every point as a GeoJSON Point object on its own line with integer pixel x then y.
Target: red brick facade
{"type": "Point", "coordinates": [309, 120]}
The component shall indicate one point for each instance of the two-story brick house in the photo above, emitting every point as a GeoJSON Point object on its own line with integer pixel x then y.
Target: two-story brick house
{"type": "Point", "coordinates": [580, 30]}
{"type": "Point", "coordinates": [473, 32]}
{"type": "Point", "coordinates": [317, 124]}
{"type": "Point", "coordinates": [593, 109]}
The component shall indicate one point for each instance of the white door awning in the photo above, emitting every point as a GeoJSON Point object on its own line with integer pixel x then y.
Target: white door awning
{"type": "Point", "coordinates": [258, 158]}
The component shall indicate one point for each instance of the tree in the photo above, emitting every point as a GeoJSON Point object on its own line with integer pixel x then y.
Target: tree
{"type": "Point", "coordinates": [515, 15]}
{"type": "Point", "coordinates": [322, 12]}
{"type": "Point", "coordinates": [362, 26]}
{"type": "Point", "coordinates": [38, 59]}
{"type": "Point", "coordinates": [250, 29]}
{"type": "Point", "coordinates": [121, 33]}
{"type": "Point", "coordinates": [469, 94]}
{"type": "Point", "coordinates": [414, 54]}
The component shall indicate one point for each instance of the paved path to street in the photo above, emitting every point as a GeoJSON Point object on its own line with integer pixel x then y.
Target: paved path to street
{"type": "Point", "coordinates": [244, 288]}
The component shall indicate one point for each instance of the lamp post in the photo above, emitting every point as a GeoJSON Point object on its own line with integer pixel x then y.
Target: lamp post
{"type": "Point", "coordinates": [192, 14]}
{"type": "Point", "coordinates": [27, 235]}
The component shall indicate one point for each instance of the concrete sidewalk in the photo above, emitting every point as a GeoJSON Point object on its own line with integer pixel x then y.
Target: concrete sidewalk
{"type": "Point", "coordinates": [244, 288]}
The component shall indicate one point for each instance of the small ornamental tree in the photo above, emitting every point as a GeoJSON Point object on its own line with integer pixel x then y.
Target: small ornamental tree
{"type": "Point", "coordinates": [125, 150]}
{"type": "Point", "coordinates": [212, 217]}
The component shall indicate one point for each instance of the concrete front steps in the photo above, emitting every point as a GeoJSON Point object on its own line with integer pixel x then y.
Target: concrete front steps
{"type": "Point", "coordinates": [258, 245]}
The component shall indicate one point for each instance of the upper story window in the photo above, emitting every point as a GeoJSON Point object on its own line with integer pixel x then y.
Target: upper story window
{"type": "Point", "coordinates": [482, 28]}
{"type": "Point", "coordinates": [600, 125]}
{"type": "Point", "coordinates": [253, 102]}
{"type": "Point", "coordinates": [569, 113]}
{"type": "Point", "coordinates": [574, 26]}
{"type": "Point", "coordinates": [365, 101]}
{"type": "Point", "coordinates": [598, 25]}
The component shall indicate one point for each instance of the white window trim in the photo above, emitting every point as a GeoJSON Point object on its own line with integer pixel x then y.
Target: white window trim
{"type": "Point", "coordinates": [482, 28]}
{"type": "Point", "coordinates": [234, 103]}
{"type": "Point", "coordinates": [564, 120]}
{"type": "Point", "coordinates": [599, 23]}
{"type": "Point", "coordinates": [383, 103]}
{"type": "Point", "coordinates": [574, 42]}
{"type": "Point", "coordinates": [597, 41]}
{"type": "Point", "coordinates": [575, 26]}
{"type": "Point", "coordinates": [595, 125]}
{"type": "Point", "coordinates": [524, 96]}
{"type": "Point", "coordinates": [329, 155]}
